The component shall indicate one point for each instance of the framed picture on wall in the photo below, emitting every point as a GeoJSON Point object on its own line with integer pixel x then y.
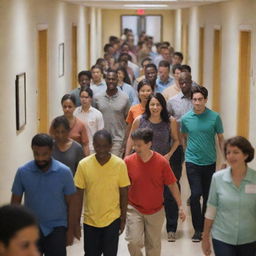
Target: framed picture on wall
{"type": "Point", "coordinates": [61, 59]}
{"type": "Point", "coordinates": [20, 91]}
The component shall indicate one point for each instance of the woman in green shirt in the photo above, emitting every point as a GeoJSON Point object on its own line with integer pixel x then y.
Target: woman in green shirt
{"type": "Point", "coordinates": [231, 206]}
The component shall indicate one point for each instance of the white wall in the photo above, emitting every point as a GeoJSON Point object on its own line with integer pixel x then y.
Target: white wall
{"type": "Point", "coordinates": [230, 16]}
{"type": "Point", "coordinates": [18, 51]}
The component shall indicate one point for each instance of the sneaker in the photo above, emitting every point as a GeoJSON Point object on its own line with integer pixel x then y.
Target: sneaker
{"type": "Point", "coordinates": [171, 236]}
{"type": "Point", "coordinates": [197, 237]}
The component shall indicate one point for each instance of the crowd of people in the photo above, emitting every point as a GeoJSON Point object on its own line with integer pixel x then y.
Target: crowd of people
{"type": "Point", "coordinates": [118, 151]}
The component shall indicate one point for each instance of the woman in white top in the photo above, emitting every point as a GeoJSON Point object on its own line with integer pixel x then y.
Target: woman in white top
{"type": "Point", "coordinates": [90, 116]}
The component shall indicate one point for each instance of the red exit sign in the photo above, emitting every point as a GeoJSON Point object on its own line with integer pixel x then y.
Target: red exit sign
{"type": "Point", "coordinates": [140, 11]}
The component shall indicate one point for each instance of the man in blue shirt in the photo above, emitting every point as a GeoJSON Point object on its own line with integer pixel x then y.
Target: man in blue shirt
{"type": "Point", "coordinates": [164, 80]}
{"type": "Point", "coordinates": [199, 127]}
{"type": "Point", "coordinates": [49, 189]}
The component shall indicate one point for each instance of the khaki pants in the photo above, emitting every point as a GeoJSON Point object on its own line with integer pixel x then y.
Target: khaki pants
{"type": "Point", "coordinates": [142, 229]}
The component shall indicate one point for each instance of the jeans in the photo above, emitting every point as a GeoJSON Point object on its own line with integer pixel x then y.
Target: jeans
{"type": "Point", "coordinates": [170, 205]}
{"type": "Point", "coordinates": [199, 178]}
{"type": "Point", "coordinates": [221, 248]}
{"type": "Point", "coordinates": [98, 241]}
{"type": "Point", "coordinates": [53, 244]}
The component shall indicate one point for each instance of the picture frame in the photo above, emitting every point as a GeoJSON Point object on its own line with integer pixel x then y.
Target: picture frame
{"type": "Point", "coordinates": [21, 109]}
{"type": "Point", "coordinates": [61, 60]}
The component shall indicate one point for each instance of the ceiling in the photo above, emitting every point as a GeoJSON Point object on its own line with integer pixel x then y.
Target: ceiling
{"type": "Point", "coordinates": [142, 4]}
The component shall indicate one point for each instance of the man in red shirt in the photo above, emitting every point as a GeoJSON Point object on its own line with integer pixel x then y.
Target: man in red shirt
{"type": "Point", "coordinates": [148, 172]}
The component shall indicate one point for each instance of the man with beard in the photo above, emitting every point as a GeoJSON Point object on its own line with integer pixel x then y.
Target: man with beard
{"type": "Point", "coordinates": [49, 189]}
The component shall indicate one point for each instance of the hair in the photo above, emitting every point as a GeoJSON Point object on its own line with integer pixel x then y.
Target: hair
{"type": "Point", "coordinates": [164, 63]}
{"type": "Point", "coordinates": [103, 133]}
{"type": "Point", "coordinates": [151, 65]}
{"type": "Point", "coordinates": [98, 67]}
{"type": "Point", "coordinates": [164, 47]}
{"type": "Point", "coordinates": [99, 61]}
{"type": "Point", "coordinates": [199, 89]}
{"type": "Point", "coordinates": [243, 144]}
{"type": "Point", "coordinates": [145, 134]}
{"type": "Point", "coordinates": [14, 218]}
{"type": "Point", "coordinates": [179, 54]}
{"type": "Point", "coordinates": [85, 73]}
{"type": "Point", "coordinates": [145, 59]}
{"type": "Point", "coordinates": [42, 140]}
{"type": "Point", "coordinates": [125, 54]}
{"type": "Point", "coordinates": [186, 68]}
{"type": "Point", "coordinates": [88, 90]}
{"type": "Point", "coordinates": [111, 70]}
{"type": "Point", "coordinates": [166, 43]}
{"type": "Point", "coordinates": [176, 66]}
{"type": "Point", "coordinates": [106, 47]}
{"type": "Point", "coordinates": [68, 97]}
{"type": "Point", "coordinates": [144, 82]}
{"type": "Point", "coordinates": [61, 120]}
{"type": "Point", "coordinates": [164, 113]}
{"type": "Point", "coordinates": [126, 76]}
{"type": "Point", "coordinates": [113, 39]}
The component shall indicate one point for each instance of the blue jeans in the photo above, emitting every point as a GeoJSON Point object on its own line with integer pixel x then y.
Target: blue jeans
{"type": "Point", "coordinates": [199, 178]}
{"type": "Point", "coordinates": [221, 249]}
{"type": "Point", "coordinates": [170, 205]}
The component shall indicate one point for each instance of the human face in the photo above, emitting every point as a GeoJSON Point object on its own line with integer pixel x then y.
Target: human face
{"type": "Point", "coordinates": [185, 84]}
{"type": "Point", "coordinates": [42, 156]}
{"type": "Point", "coordinates": [144, 92]}
{"type": "Point", "coordinates": [24, 243]}
{"type": "Point", "coordinates": [235, 156]}
{"type": "Point", "coordinates": [199, 102]}
{"type": "Point", "coordinates": [102, 147]}
{"type": "Point", "coordinates": [155, 107]}
{"type": "Point", "coordinates": [68, 108]}
{"type": "Point", "coordinates": [85, 99]}
{"type": "Point", "coordinates": [176, 59]}
{"type": "Point", "coordinates": [111, 81]}
{"type": "Point", "coordinates": [177, 74]}
{"type": "Point", "coordinates": [61, 134]}
{"type": "Point", "coordinates": [120, 76]}
{"type": "Point", "coordinates": [141, 147]}
{"type": "Point", "coordinates": [151, 74]}
{"type": "Point", "coordinates": [84, 81]}
{"type": "Point", "coordinates": [163, 73]}
{"type": "Point", "coordinates": [166, 54]}
{"type": "Point", "coordinates": [96, 74]}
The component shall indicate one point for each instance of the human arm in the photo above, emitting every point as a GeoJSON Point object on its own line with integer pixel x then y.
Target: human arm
{"type": "Point", "coordinates": [175, 138]}
{"type": "Point", "coordinates": [16, 199]}
{"type": "Point", "coordinates": [78, 199]}
{"type": "Point", "coordinates": [173, 187]}
{"type": "Point", "coordinates": [123, 205]}
{"type": "Point", "coordinates": [135, 126]}
{"type": "Point", "coordinates": [71, 218]}
{"type": "Point", "coordinates": [220, 137]}
{"type": "Point", "coordinates": [206, 244]}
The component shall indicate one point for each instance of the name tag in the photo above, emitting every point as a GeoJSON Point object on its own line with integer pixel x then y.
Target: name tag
{"type": "Point", "coordinates": [250, 189]}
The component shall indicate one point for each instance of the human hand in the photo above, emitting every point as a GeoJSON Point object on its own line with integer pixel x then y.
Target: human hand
{"type": "Point", "coordinates": [182, 214]}
{"type": "Point", "coordinates": [77, 231]}
{"type": "Point", "coordinates": [69, 237]}
{"type": "Point", "coordinates": [206, 245]}
{"type": "Point", "coordinates": [122, 226]}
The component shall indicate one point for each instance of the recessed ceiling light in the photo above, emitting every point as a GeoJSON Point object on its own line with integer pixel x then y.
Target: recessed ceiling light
{"type": "Point", "coordinates": [145, 5]}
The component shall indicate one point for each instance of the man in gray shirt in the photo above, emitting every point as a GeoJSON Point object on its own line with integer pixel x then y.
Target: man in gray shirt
{"type": "Point", "coordinates": [114, 106]}
{"type": "Point", "coordinates": [177, 106]}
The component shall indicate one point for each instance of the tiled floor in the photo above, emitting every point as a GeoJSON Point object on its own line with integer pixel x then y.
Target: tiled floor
{"type": "Point", "coordinates": [182, 247]}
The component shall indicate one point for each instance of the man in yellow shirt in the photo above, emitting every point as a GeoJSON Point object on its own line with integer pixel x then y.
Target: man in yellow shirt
{"type": "Point", "coordinates": [103, 179]}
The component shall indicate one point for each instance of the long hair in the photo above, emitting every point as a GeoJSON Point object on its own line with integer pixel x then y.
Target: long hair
{"type": "Point", "coordinates": [164, 113]}
{"type": "Point", "coordinates": [126, 76]}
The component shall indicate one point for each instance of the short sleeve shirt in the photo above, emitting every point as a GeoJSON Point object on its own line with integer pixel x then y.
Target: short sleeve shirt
{"type": "Point", "coordinates": [201, 130]}
{"type": "Point", "coordinates": [45, 192]}
{"type": "Point", "coordinates": [134, 112]}
{"type": "Point", "coordinates": [101, 184]}
{"type": "Point", "coordinates": [235, 220]}
{"type": "Point", "coordinates": [147, 182]}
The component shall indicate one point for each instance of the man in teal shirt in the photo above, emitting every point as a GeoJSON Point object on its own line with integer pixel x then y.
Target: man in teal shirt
{"type": "Point", "coordinates": [199, 127]}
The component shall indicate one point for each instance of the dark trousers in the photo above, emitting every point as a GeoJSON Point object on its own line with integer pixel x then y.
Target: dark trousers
{"type": "Point", "coordinates": [104, 240]}
{"type": "Point", "coordinates": [170, 205]}
{"type": "Point", "coordinates": [54, 244]}
{"type": "Point", "coordinates": [199, 178]}
{"type": "Point", "coordinates": [221, 248]}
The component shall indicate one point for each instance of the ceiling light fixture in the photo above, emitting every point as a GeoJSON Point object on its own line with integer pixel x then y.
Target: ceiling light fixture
{"type": "Point", "coordinates": [145, 5]}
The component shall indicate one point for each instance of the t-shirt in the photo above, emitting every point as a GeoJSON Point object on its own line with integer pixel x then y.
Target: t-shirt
{"type": "Point", "coordinates": [134, 112]}
{"type": "Point", "coordinates": [147, 182]}
{"type": "Point", "coordinates": [70, 157]}
{"type": "Point", "coordinates": [201, 130]}
{"type": "Point", "coordinates": [101, 185]}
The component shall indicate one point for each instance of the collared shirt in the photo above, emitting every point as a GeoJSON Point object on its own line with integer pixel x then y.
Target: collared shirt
{"type": "Point", "coordinates": [160, 85]}
{"type": "Point", "coordinates": [98, 88]}
{"type": "Point", "coordinates": [93, 121]}
{"type": "Point", "coordinates": [114, 110]}
{"type": "Point", "coordinates": [157, 59]}
{"type": "Point", "coordinates": [235, 220]}
{"type": "Point", "coordinates": [179, 105]}
{"type": "Point", "coordinates": [201, 130]}
{"type": "Point", "coordinates": [45, 192]}
{"type": "Point", "coordinates": [130, 92]}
